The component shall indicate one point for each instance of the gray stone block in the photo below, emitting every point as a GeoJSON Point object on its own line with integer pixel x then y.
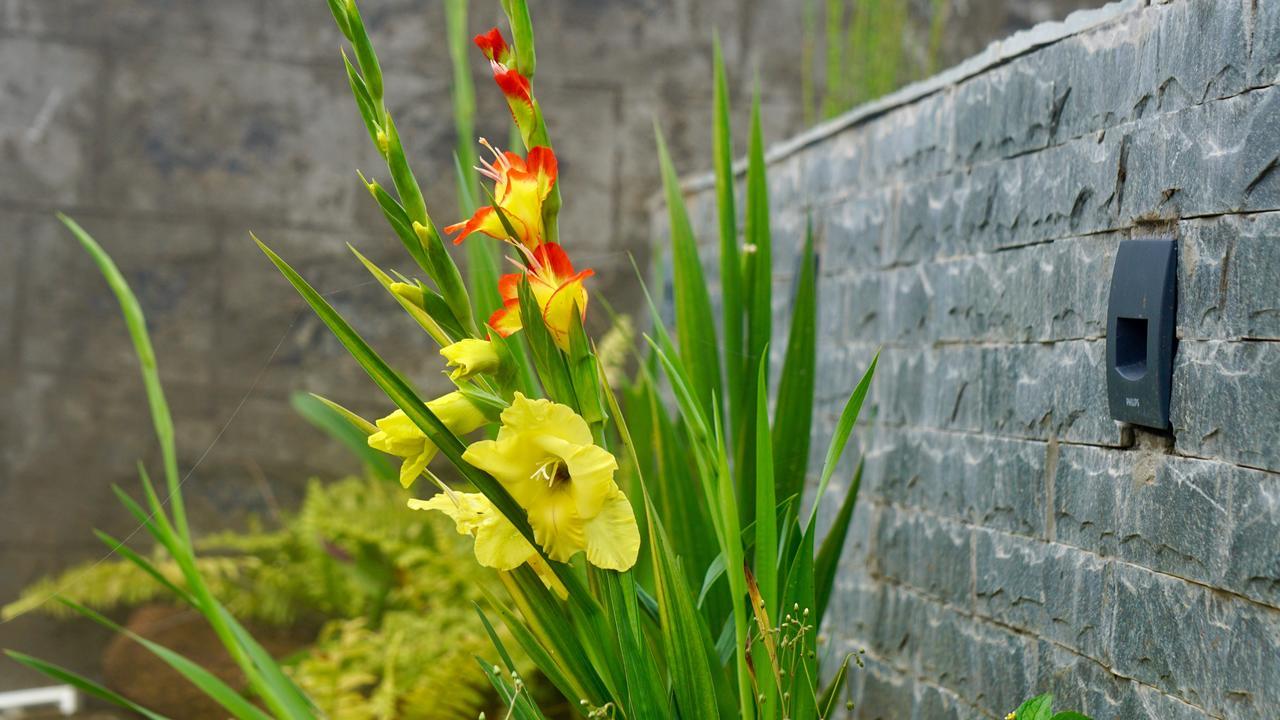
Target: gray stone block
{"type": "Point", "coordinates": [1208, 159]}
{"type": "Point", "coordinates": [1009, 110]}
{"type": "Point", "coordinates": [1085, 685]}
{"type": "Point", "coordinates": [928, 553]}
{"type": "Point", "coordinates": [1054, 592]}
{"type": "Point", "coordinates": [1225, 268]}
{"type": "Point", "coordinates": [1212, 651]}
{"type": "Point", "coordinates": [1224, 401]}
{"type": "Point", "coordinates": [1264, 52]}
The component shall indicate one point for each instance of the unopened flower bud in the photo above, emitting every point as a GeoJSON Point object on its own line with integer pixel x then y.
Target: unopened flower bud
{"type": "Point", "coordinates": [410, 293]}
{"type": "Point", "coordinates": [470, 357]}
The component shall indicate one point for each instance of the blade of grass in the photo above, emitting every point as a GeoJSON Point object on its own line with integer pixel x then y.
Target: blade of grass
{"type": "Point", "coordinates": [337, 422]}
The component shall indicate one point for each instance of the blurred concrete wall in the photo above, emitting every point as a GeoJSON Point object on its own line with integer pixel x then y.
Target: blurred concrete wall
{"type": "Point", "coordinates": [172, 128]}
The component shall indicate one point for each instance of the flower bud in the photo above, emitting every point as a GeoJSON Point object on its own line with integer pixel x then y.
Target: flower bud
{"type": "Point", "coordinates": [409, 293]}
{"type": "Point", "coordinates": [470, 357]}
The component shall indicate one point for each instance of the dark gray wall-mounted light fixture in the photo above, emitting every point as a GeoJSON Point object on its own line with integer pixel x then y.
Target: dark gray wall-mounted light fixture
{"type": "Point", "coordinates": [1140, 331]}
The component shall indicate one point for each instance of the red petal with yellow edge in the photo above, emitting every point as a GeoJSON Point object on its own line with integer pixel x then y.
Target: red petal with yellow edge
{"type": "Point", "coordinates": [542, 163]}
{"type": "Point", "coordinates": [509, 286]}
{"type": "Point", "coordinates": [485, 220]}
{"type": "Point", "coordinates": [506, 319]}
{"type": "Point", "coordinates": [555, 263]}
{"type": "Point", "coordinates": [493, 46]}
{"type": "Point", "coordinates": [559, 308]}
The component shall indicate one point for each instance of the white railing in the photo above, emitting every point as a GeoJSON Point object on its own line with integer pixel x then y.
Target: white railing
{"type": "Point", "coordinates": [64, 696]}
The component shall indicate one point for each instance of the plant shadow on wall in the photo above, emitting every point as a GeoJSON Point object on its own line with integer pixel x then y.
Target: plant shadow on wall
{"type": "Point", "coordinates": [650, 545]}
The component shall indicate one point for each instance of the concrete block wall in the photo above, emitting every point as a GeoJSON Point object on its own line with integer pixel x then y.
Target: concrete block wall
{"type": "Point", "coordinates": [1011, 538]}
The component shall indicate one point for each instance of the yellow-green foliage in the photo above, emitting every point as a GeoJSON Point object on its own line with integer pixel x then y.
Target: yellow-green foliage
{"type": "Point", "coordinates": [395, 585]}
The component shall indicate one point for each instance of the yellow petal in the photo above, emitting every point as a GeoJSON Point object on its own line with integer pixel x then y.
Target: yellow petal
{"type": "Point", "coordinates": [413, 466]}
{"type": "Point", "coordinates": [499, 545]}
{"type": "Point", "coordinates": [590, 478]}
{"type": "Point", "coordinates": [457, 413]}
{"type": "Point", "coordinates": [397, 435]}
{"type": "Point", "coordinates": [612, 537]}
{"type": "Point", "coordinates": [541, 417]}
{"type": "Point", "coordinates": [557, 526]}
{"type": "Point", "coordinates": [559, 309]}
{"type": "Point", "coordinates": [466, 509]}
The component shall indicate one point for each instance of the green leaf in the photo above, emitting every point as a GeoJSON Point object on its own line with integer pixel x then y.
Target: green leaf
{"type": "Point", "coordinates": [646, 692]}
{"type": "Point", "coordinates": [766, 534]}
{"type": "Point", "coordinates": [368, 110]}
{"type": "Point", "coordinates": [137, 325]}
{"type": "Point", "coordinates": [730, 259]}
{"type": "Point", "coordinates": [1070, 715]}
{"type": "Point", "coordinates": [84, 684]}
{"type": "Point", "coordinates": [758, 275]}
{"type": "Point", "coordinates": [206, 682]}
{"type": "Point", "coordinates": [828, 559]}
{"type": "Point", "coordinates": [119, 548]}
{"type": "Point", "coordinates": [794, 412]}
{"type": "Point", "coordinates": [686, 640]}
{"type": "Point", "coordinates": [585, 374]}
{"type": "Point", "coordinates": [338, 9]}
{"type": "Point", "coordinates": [1037, 708]}
{"type": "Point", "coordinates": [517, 12]}
{"type": "Point", "coordinates": [364, 51]}
{"type": "Point", "coordinates": [347, 428]}
{"type": "Point", "coordinates": [695, 328]}
{"type": "Point", "coordinates": [844, 426]}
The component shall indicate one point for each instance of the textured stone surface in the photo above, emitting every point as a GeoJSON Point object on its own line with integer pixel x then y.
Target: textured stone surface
{"type": "Point", "coordinates": [1011, 538]}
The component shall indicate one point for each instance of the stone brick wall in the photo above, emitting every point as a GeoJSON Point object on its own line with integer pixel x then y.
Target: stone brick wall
{"type": "Point", "coordinates": [1012, 538]}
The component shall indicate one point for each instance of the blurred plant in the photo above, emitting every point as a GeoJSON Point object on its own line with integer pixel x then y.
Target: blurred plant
{"type": "Point", "coordinates": [870, 48]}
{"type": "Point", "coordinates": [1041, 708]}
{"type": "Point", "coordinates": [381, 575]}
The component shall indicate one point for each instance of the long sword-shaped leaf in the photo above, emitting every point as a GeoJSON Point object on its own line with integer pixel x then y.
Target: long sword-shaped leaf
{"type": "Point", "coordinates": [83, 683]}
{"type": "Point", "coordinates": [766, 530]}
{"type": "Point", "coordinates": [137, 325]}
{"type": "Point", "coordinates": [695, 327]}
{"type": "Point", "coordinates": [844, 426]}
{"type": "Point", "coordinates": [824, 570]}
{"type": "Point", "coordinates": [794, 416]}
{"type": "Point", "coordinates": [758, 274]}
{"type": "Point", "coordinates": [730, 258]}
{"type": "Point", "coordinates": [329, 417]}
{"type": "Point", "coordinates": [207, 682]}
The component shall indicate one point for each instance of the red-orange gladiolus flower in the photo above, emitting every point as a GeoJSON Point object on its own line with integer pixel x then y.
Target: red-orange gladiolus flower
{"type": "Point", "coordinates": [556, 287]}
{"type": "Point", "coordinates": [521, 187]}
{"type": "Point", "coordinates": [514, 85]}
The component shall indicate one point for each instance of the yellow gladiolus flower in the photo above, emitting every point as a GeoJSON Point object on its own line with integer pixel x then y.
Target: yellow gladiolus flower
{"type": "Point", "coordinates": [470, 357]}
{"type": "Point", "coordinates": [398, 435]}
{"type": "Point", "coordinates": [546, 458]}
{"type": "Point", "coordinates": [498, 544]}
